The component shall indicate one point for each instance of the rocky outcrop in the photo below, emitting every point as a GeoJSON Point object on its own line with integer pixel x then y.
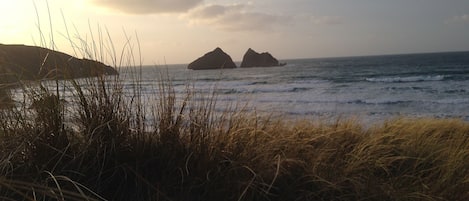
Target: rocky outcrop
{"type": "Point", "coordinates": [253, 59]}
{"type": "Point", "coordinates": [216, 59]}
{"type": "Point", "coordinates": [21, 62]}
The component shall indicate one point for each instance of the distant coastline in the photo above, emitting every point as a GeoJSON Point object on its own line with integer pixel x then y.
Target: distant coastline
{"type": "Point", "coordinates": [375, 55]}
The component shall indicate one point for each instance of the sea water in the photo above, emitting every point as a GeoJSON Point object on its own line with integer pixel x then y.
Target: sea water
{"type": "Point", "coordinates": [371, 88]}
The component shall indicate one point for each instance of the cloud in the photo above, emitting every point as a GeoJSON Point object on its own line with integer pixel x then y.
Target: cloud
{"type": "Point", "coordinates": [326, 20]}
{"type": "Point", "coordinates": [148, 6]}
{"type": "Point", "coordinates": [235, 17]}
{"type": "Point", "coordinates": [213, 11]}
{"type": "Point", "coordinates": [458, 19]}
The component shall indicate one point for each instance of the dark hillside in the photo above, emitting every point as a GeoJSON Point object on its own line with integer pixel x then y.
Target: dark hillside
{"type": "Point", "coordinates": [21, 62]}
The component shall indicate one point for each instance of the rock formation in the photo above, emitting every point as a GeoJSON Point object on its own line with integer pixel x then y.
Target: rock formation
{"type": "Point", "coordinates": [253, 59]}
{"type": "Point", "coordinates": [20, 62]}
{"type": "Point", "coordinates": [216, 59]}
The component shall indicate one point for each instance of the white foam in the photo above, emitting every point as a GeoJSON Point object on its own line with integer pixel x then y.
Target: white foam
{"type": "Point", "coordinates": [407, 79]}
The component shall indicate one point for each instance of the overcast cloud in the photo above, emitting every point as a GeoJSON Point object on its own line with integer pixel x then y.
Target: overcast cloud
{"type": "Point", "coordinates": [235, 17]}
{"type": "Point", "coordinates": [326, 20]}
{"type": "Point", "coordinates": [459, 19]}
{"type": "Point", "coordinates": [148, 6]}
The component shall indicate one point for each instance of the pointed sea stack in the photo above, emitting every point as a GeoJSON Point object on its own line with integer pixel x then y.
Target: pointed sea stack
{"type": "Point", "coordinates": [253, 59]}
{"type": "Point", "coordinates": [216, 59]}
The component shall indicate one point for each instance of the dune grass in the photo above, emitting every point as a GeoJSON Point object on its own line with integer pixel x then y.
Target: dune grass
{"type": "Point", "coordinates": [102, 143]}
{"type": "Point", "coordinates": [107, 150]}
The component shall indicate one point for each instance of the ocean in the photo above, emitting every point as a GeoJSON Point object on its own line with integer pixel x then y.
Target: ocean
{"type": "Point", "coordinates": [368, 88]}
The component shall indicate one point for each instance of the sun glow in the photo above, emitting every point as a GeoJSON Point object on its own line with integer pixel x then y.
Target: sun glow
{"type": "Point", "coordinates": [16, 21]}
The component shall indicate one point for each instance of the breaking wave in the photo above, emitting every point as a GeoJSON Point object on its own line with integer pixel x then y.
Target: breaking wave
{"type": "Point", "coordinates": [407, 79]}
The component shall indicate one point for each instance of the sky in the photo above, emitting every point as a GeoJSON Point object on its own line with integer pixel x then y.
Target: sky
{"type": "Point", "coordinates": [179, 31]}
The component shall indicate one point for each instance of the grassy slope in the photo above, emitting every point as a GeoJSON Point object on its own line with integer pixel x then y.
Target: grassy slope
{"type": "Point", "coordinates": [20, 62]}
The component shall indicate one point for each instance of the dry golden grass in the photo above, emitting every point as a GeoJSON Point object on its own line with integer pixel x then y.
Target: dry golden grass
{"type": "Point", "coordinates": [100, 145]}
{"type": "Point", "coordinates": [193, 153]}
